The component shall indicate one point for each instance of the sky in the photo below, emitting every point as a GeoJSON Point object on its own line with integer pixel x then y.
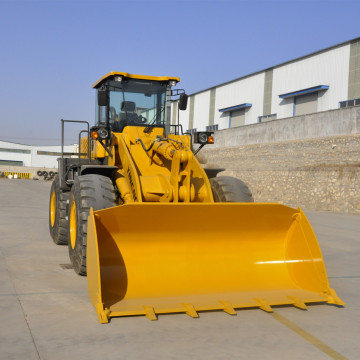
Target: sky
{"type": "Point", "coordinates": [51, 52]}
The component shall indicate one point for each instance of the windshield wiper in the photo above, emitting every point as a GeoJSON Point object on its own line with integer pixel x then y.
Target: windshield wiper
{"type": "Point", "coordinates": [152, 122]}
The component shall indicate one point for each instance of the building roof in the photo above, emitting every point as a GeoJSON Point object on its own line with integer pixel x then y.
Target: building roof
{"type": "Point", "coordinates": [281, 64]}
{"type": "Point", "coordinates": [12, 142]}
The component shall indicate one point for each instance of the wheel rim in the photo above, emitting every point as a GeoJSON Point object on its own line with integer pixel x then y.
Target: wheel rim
{"type": "Point", "coordinates": [52, 209]}
{"type": "Point", "coordinates": [73, 225]}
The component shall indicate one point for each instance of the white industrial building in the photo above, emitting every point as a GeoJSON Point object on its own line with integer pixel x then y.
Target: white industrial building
{"type": "Point", "coordinates": [321, 81]}
{"type": "Point", "coordinates": [13, 154]}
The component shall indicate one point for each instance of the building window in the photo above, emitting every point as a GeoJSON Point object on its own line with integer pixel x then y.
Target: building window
{"type": "Point", "coordinates": [51, 153]}
{"type": "Point", "coordinates": [265, 118]}
{"type": "Point", "coordinates": [212, 127]}
{"type": "Point", "coordinates": [191, 131]}
{"type": "Point", "coordinates": [11, 163]}
{"type": "Point", "coordinates": [348, 103]}
{"type": "Point", "coordinates": [22, 151]}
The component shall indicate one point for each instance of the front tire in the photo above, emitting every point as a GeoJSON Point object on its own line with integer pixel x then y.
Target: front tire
{"type": "Point", "coordinates": [88, 191]}
{"type": "Point", "coordinates": [229, 189]}
{"type": "Point", "coordinates": [58, 223]}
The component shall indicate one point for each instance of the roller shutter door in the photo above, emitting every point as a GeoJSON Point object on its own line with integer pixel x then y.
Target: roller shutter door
{"type": "Point", "coordinates": [306, 104]}
{"type": "Point", "coordinates": [237, 118]}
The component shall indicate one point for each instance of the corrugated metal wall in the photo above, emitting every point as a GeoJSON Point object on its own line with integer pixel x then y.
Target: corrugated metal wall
{"type": "Point", "coordinates": [6, 152]}
{"type": "Point", "coordinates": [12, 152]}
{"type": "Point", "coordinates": [329, 67]}
{"type": "Point", "coordinates": [249, 90]}
{"type": "Point", "coordinates": [201, 110]}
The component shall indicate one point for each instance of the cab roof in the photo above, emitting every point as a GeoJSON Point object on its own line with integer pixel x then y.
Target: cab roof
{"type": "Point", "coordinates": [133, 76]}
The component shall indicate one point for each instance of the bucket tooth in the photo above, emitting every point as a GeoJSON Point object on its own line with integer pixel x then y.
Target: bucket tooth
{"type": "Point", "coordinates": [263, 305]}
{"type": "Point", "coordinates": [150, 312]}
{"type": "Point", "coordinates": [228, 308]}
{"type": "Point", "coordinates": [190, 310]}
{"type": "Point", "coordinates": [298, 303]}
{"type": "Point", "coordinates": [297, 216]}
{"type": "Point", "coordinates": [103, 314]}
{"type": "Point", "coordinates": [334, 299]}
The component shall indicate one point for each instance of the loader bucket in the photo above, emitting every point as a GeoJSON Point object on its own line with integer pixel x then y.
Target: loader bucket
{"type": "Point", "coordinates": [155, 258]}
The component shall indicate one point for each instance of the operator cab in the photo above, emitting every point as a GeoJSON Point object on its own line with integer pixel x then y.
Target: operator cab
{"type": "Point", "coordinates": [133, 100]}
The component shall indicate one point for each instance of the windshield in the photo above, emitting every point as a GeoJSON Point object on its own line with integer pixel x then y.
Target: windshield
{"type": "Point", "coordinates": [136, 103]}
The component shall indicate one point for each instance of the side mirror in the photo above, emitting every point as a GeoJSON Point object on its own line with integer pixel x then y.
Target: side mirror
{"type": "Point", "coordinates": [102, 97]}
{"type": "Point", "coordinates": [183, 100]}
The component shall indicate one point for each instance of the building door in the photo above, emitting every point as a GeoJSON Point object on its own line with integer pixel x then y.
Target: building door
{"type": "Point", "coordinates": [306, 104]}
{"type": "Point", "coordinates": [237, 118]}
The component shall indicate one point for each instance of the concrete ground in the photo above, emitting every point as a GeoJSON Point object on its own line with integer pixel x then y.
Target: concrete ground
{"type": "Point", "coordinates": [45, 312]}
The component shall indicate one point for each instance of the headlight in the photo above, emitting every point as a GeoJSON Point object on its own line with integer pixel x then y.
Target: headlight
{"type": "Point", "coordinates": [100, 133]}
{"type": "Point", "coordinates": [103, 133]}
{"type": "Point", "coordinates": [203, 138]}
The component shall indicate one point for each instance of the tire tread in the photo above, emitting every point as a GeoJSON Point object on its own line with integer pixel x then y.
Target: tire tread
{"type": "Point", "coordinates": [229, 189]}
{"type": "Point", "coordinates": [88, 192]}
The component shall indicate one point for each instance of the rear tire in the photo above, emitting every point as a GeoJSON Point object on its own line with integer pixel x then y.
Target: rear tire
{"type": "Point", "coordinates": [229, 189]}
{"type": "Point", "coordinates": [88, 191]}
{"type": "Point", "coordinates": [58, 223]}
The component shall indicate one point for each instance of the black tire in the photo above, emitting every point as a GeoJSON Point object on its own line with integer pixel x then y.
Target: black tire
{"type": "Point", "coordinates": [39, 173]}
{"type": "Point", "coordinates": [88, 191]}
{"type": "Point", "coordinates": [45, 173]}
{"type": "Point", "coordinates": [51, 173]}
{"type": "Point", "coordinates": [229, 189]}
{"type": "Point", "coordinates": [58, 222]}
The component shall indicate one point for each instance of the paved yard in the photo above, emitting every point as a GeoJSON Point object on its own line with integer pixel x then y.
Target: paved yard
{"type": "Point", "coordinates": [45, 312]}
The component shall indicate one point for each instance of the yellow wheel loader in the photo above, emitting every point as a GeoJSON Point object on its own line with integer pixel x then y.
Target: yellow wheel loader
{"type": "Point", "coordinates": [156, 233]}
